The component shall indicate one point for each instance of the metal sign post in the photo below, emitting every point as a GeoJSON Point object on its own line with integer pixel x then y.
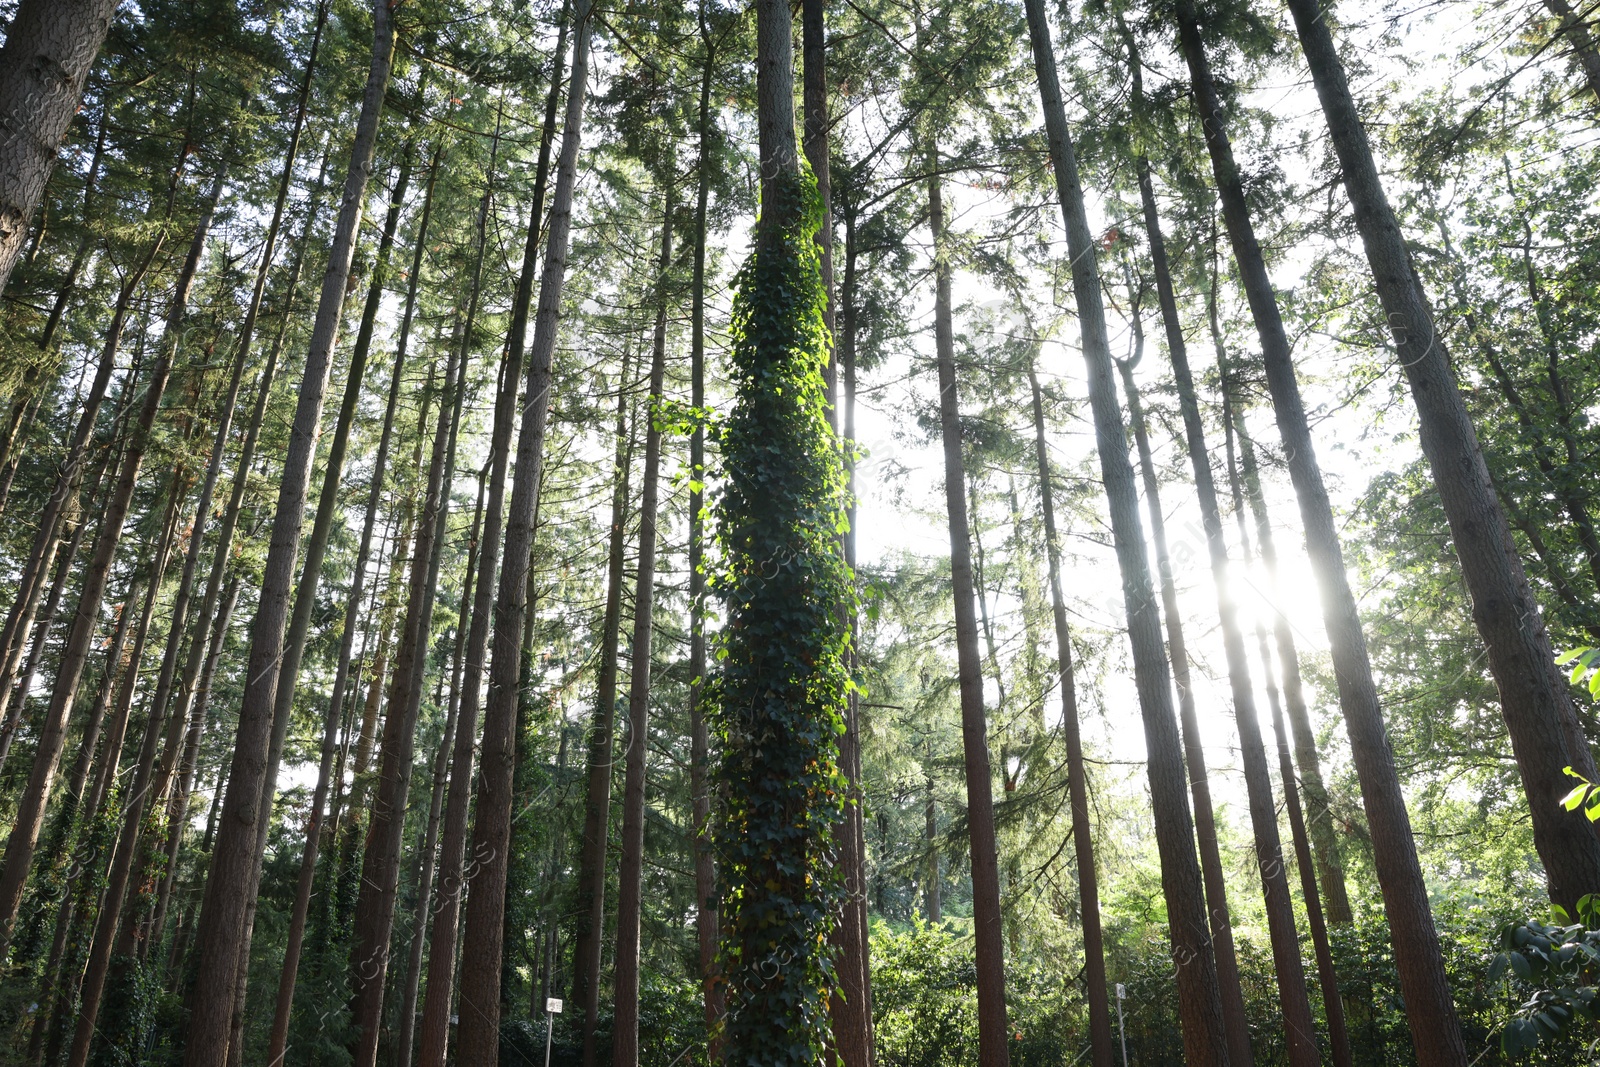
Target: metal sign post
{"type": "Point", "coordinates": [552, 1008]}
{"type": "Point", "coordinates": [1122, 994]}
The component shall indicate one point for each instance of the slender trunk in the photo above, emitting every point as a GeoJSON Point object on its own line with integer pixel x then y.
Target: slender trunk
{"type": "Point", "coordinates": [380, 866]}
{"type": "Point", "coordinates": [1534, 697]}
{"type": "Point", "coordinates": [1077, 780]}
{"type": "Point", "coordinates": [993, 1038]}
{"type": "Point", "coordinates": [441, 770]}
{"type": "Point", "coordinates": [52, 732]}
{"type": "Point", "coordinates": [128, 842]}
{"type": "Point", "coordinates": [855, 862]}
{"type": "Point", "coordinates": [178, 804]}
{"type": "Point", "coordinates": [230, 890]}
{"type": "Point", "coordinates": [932, 892]}
{"type": "Point", "coordinates": [482, 943]}
{"type": "Point", "coordinates": [705, 874]}
{"type": "Point", "coordinates": [1294, 1001]}
{"type": "Point", "coordinates": [433, 1039]}
{"type": "Point", "coordinates": [49, 50]}
{"type": "Point", "coordinates": [1436, 1032]}
{"type": "Point", "coordinates": [598, 781]}
{"type": "Point", "coordinates": [630, 870]}
{"type": "Point", "coordinates": [1199, 1005]}
{"type": "Point", "coordinates": [1333, 1004]}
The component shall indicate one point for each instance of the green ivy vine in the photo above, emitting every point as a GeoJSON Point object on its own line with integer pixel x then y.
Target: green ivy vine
{"type": "Point", "coordinates": [783, 678]}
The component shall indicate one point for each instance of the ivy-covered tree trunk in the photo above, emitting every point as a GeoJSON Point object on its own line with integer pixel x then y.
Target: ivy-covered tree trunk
{"type": "Point", "coordinates": [1199, 1006]}
{"type": "Point", "coordinates": [781, 697]}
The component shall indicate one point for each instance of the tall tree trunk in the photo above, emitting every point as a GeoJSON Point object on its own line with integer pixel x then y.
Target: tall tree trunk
{"type": "Point", "coordinates": [1333, 1004]}
{"type": "Point", "coordinates": [589, 944]}
{"type": "Point", "coordinates": [433, 1039]}
{"type": "Point", "coordinates": [229, 890]}
{"type": "Point", "coordinates": [1077, 774]}
{"type": "Point", "coordinates": [1199, 1006]}
{"type": "Point", "coordinates": [1330, 868]}
{"type": "Point", "coordinates": [857, 982]}
{"type": "Point", "coordinates": [441, 770]}
{"type": "Point", "coordinates": [1436, 1032]}
{"type": "Point", "coordinates": [52, 732]}
{"type": "Point", "coordinates": [482, 943]}
{"type": "Point", "coordinates": [705, 875]}
{"type": "Point", "coordinates": [380, 866]}
{"type": "Point", "coordinates": [1293, 998]}
{"type": "Point", "coordinates": [1534, 698]}
{"type": "Point", "coordinates": [50, 49]}
{"type": "Point", "coordinates": [993, 1035]}
{"type": "Point", "coordinates": [630, 869]}
{"type": "Point", "coordinates": [300, 910]}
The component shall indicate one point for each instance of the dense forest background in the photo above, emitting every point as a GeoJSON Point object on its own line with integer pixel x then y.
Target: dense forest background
{"type": "Point", "coordinates": [429, 431]}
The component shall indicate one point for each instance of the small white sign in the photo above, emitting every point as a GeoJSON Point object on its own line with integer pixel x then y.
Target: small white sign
{"type": "Point", "coordinates": [553, 1004]}
{"type": "Point", "coordinates": [1122, 992]}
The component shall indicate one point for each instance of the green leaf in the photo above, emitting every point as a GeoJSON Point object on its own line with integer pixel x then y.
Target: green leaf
{"type": "Point", "coordinates": [1519, 964]}
{"type": "Point", "coordinates": [1570, 655]}
{"type": "Point", "coordinates": [1573, 799]}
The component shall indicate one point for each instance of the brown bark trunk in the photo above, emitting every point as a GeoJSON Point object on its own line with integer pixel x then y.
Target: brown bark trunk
{"type": "Point", "coordinates": [1077, 775]}
{"type": "Point", "coordinates": [50, 49]}
{"type": "Point", "coordinates": [1199, 1006]}
{"type": "Point", "coordinates": [380, 867]}
{"type": "Point", "coordinates": [993, 1035]}
{"type": "Point", "coordinates": [230, 890]}
{"type": "Point", "coordinates": [52, 732]}
{"type": "Point", "coordinates": [1436, 1031]}
{"type": "Point", "coordinates": [630, 869]}
{"type": "Point", "coordinates": [1293, 998]}
{"type": "Point", "coordinates": [482, 943]}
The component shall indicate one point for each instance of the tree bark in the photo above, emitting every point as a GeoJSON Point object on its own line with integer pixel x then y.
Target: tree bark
{"type": "Point", "coordinates": [1436, 1032]}
{"type": "Point", "coordinates": [49, 50]}
{"type": "Point", "coordinates": [1102, 1053]}
{"type": "Point", "coordinates": [1293, 998]}
{"type": "Point", "coordinates": [52, 732]}
{"type": "Point", "coordinates": [1199, 1006]}
{"type": "Point", "coordinates": [478, 1040]}
{"type": "Point", "coordinates": [229, 889]}
{"type": "Point", "coordinates": [1534, 698]}
{"type": "Point", "coordinates": [630, 869]}
{"type": "Point", "coordinates": [989, 948]}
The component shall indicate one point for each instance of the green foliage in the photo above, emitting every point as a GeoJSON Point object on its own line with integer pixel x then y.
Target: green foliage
{"type": "Point", "coordinates": [1559, 968]}
{"type": "Point", "coordinates": [780, 692]}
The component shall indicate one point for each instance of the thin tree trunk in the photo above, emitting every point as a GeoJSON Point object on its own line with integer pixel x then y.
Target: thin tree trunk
{"type": "Point", "coordinates": [478, 1040]}
{"type": "Point", "coordinates": [1436, 1032]}
{"type": "Point", "coordinates": [49, 50]}
{"type": "Point", "coordinates": [380, 867]}
{"type": "Point", "coordinates": [230, 890]}
{"type": "Point", "coordinates": [433, 1040]}
{"type": "Point", "coordinates": [1333, 1004]}
{"type": "Point", "coordinates": [1199, 1006]}
{"type": "Point", "coordinates": [630, 870]}
{"type": "Point", "coordinates": [1294, 1001]}
{"type": "Point", "coordinates": [705, 875]}
{"type": "Point", "coordinates": [52, 733]}
{"type": "Point", "coordinates": [441, 770]}
{"type": "Point", "coordinates": [1077, 775]}
{"type": "Point", "coordinates": [989, 948]}
{"type": "Point", "coordinates": [602, 731]}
